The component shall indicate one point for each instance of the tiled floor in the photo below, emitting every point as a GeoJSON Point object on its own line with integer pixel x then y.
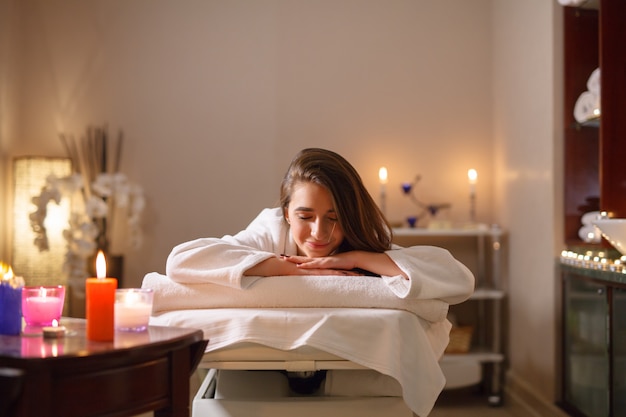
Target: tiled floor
{"type": "Point", "coordinates": [467, 403]}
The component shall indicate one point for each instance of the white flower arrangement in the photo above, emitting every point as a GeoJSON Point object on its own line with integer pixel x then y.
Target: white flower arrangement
{"type": "Point", "coordinates": [98, 195]}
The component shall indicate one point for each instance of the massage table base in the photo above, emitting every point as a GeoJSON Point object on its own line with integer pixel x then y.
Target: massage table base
{"type": "Point", "coordinates": [310, 339]}
{"type": "Point", "coordinates": [271, 404]}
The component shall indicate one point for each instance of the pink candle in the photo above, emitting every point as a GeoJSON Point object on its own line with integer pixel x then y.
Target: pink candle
{"type": "Point", "coordinates": [42, 305]}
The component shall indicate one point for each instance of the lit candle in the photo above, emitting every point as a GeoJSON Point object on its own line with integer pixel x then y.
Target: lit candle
{"type": "Point", "coordinates": [382, 176]}
{"type": "Point", "coordinates": [42, 305]}
{"type": "Point", "coordinates": [100, 301]}
{"type": "Point", "coordinates": [55, 331]}
{"type": "Point", "coordinates": [132, 308]}
{"type": "Point", "coordinates": [472, 177]}
{"type": "Point", "coordinates": [10, 302]}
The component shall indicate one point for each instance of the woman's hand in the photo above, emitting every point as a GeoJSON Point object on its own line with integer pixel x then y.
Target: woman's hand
{"type": "Point", "coordinates": [377, 263]}
{"type": "Point", "coordinates": [340, 261]}
{"type": "Point", "coordinates": [292, 265]}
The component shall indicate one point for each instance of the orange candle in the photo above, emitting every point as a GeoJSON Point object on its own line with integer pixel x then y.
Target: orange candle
{"type": "Point", "coordinates": [100, 294]}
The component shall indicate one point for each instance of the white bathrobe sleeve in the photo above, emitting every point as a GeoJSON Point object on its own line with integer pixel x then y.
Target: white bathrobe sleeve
{"type": "Point", "coordinates": [224, 261]}
{"type": "Point", "coordinates": [433, 274]}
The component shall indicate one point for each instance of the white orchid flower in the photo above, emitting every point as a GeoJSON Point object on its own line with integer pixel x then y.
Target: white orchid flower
{"type": "Point", "coordinates": [96, 207]}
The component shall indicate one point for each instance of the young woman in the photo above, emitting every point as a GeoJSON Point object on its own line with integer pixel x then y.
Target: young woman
{"type": "Point", "coordinates": [327, 224]}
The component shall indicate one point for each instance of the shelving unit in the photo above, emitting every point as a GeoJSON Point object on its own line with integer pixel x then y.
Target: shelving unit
{"type": "Point", "coordinates": [480, 247]}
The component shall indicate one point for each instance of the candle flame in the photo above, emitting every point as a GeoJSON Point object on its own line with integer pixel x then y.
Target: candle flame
{"type": "Point", "coordinates": [472, 175]}
{"type": "Point", "coordinates": [382, 175]}
{"type": "Point", "coordinates": [4, 268]}
{"type": "Point", "coordinates": [101, 265]}
{"type": "Point", "coordinates": [55, 323]}
{"type": "Point", "coordinates": [9, 274]}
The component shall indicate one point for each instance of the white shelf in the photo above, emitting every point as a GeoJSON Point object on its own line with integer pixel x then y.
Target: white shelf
{"type": "Point", "coordinates": [461, 368]}
{"type": "Point", "coordinates": [469, 231]}
{"type": "Point", "coordinates": [487, 294]}
{"type": "Point", "coordinates": [473, 356]}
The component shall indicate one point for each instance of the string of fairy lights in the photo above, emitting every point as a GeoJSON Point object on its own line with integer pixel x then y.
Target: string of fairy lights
{"type": "Point", "coordinates": [594, 260]}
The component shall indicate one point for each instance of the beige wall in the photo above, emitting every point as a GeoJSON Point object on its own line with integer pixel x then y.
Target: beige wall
{"type": "Point", "coordinates": [215, 97]}
{"type": "Point", "coordinates": [527, 119]}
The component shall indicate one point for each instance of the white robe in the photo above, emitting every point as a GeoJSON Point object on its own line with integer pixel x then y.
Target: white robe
{"type": "Point", "coordinates": [410, 355]}
{"type": "Point", "coordinates": [433, 272]}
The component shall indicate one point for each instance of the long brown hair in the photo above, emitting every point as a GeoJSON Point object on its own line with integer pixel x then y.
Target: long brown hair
{"type": "Point", "coordinates": [363, 223]}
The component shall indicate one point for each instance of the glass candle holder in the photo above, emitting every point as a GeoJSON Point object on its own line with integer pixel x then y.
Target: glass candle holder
{"type": "Point", "coordinates": [42, 305]}
{"type": "Point", "coordinates": [133, 307]}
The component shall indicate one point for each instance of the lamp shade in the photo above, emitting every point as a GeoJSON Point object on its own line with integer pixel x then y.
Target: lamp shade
{"type": "Point", "coordinates": [38, 267]}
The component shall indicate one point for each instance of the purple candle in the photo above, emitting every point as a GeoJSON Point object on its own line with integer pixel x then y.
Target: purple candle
{"type": "Point", "coordinates": [11, 304]}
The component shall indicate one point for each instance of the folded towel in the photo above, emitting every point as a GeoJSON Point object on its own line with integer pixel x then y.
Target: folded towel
{"type": "Point", "coordinates": [593, 82]}
{"type": "Point", "coordinates": [586, 107]}
{"type": "Point", "coordinates": [287, 292]}
{"type": "Point", "coordinates": [572, 2]}
{"type": "Point", "coordinates": [590, 234]}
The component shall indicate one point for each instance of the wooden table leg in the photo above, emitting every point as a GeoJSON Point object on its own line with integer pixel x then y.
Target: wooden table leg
{"type": "Point", "coordinates": [11, 382]}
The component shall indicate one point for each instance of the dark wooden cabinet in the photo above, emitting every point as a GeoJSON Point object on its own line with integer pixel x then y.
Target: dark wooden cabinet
{"type": "Point", "coordinates": [613, 103]}
{"type": "Point", "coordinates": [581, 142]}
{"type": "Point", "coordinates": [594, 176]}
{"type": "Point", "coordinates": [593, 343]}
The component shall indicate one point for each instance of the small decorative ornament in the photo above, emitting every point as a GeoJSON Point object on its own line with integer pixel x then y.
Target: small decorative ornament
{"type": "Point", "coordinates": [408, 189]}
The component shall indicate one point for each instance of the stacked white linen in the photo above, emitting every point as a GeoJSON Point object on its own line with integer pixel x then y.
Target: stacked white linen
{"type": "Point", "coordinates": [289, 291]}
{"type": "Point", "coordinates": [588, 232]}
{"type": "Point", "coordinates": [587, 105]}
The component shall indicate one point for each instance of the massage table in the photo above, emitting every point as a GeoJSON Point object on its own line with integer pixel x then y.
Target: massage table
{"type": "Point", "coordinates": [381, 353]}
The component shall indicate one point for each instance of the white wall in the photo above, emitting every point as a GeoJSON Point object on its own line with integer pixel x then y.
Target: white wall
{"type": "Point", "coordinates": [527, 118]}
{"type": "Point", "coordinates": [216, 96]}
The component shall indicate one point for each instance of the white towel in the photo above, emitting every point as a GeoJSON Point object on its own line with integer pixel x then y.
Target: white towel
{"type": "Point", "coordinates": [586, 106]}
{"type": "Point", "coordinates": [593, 82]}
{"type": "Point", "coordinates": [287, 292]}
{"type": "Point", "coordinates": [572, 2]}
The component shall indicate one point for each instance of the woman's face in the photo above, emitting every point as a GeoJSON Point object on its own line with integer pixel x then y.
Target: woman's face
{"type": "Point", "coordinates": [314, 224]}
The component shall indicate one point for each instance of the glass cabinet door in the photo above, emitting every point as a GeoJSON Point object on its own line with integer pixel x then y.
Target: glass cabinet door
{"type": "Point", "coordinates": [619, 352]}
{"type": "Point", "coordinates": [586, 350]}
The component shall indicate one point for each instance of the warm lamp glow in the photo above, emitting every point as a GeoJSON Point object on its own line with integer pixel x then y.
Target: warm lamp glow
{"type": "Point", "coordinates": [472, 175]}
{"type": "Point", "coordinates": [101, 265]}
{"type": "Point", "coordinates": [41, 268]}
{"type": "Point", "coordinates": [382, 175]}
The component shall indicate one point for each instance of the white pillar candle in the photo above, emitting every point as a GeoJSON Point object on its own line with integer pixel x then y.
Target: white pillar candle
{"type": "Point", "coordinates": [472, 177]}
{"type": "Point", "coordinates": [382, 177]}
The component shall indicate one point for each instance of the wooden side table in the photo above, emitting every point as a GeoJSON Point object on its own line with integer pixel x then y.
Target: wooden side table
{"type": "Point", "coordinates": [75, 377]}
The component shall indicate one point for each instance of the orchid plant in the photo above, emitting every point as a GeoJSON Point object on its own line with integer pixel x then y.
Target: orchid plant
{"type": "Point", "coordinates": [98, 193]}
